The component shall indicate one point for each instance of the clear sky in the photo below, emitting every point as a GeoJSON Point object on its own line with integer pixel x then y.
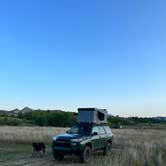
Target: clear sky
{"type": "Point", "coordinates": [83, 53]}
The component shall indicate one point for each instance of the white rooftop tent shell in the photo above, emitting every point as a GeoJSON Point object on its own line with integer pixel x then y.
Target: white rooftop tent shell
{"type": "Point", "coordinates": [92, 115]}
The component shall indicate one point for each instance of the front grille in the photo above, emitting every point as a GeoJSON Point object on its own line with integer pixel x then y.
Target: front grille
{"type": "Point", "coordinates": [63, 140]}
{"type": "Point", "coordinates": [62, 143]}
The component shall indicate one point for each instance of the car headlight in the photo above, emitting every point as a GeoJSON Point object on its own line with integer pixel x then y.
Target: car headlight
{"type": "Point", "coordinates": [54, 138]}
{"type": "Point", "coordinates": [75, 140]}
{"type": "Point", "coordinates": [74, 143]}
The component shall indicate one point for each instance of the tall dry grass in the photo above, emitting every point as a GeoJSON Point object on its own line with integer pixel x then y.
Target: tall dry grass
{"type": "Point", "coordinates": [12, 134]}
{"type": "Point", "coordinates": [131, 147]}
{"type": "Point", "coordinates": [140, 147]}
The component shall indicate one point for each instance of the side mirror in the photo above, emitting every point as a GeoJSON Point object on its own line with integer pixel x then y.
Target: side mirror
{"type": "Point", "coordinates": [94, 133]}
{"type": "Point", "coordinates": [67, 131]}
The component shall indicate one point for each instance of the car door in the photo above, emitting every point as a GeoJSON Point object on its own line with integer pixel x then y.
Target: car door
{"type": "Point", "coordinates": [108, 134]}
{"type": "Point", "coordinates": [101, 136]}
{"type": "Point", "coordinates": [95, 140]}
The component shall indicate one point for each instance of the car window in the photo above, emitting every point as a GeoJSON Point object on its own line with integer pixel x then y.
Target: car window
{"type": "Point", "coordinates": [95, 129]}
{"type": "Point", "coordinates": [82, 129]}
{"type": "Point", "coordinates": [74, 130]}
{"type": "Point", "coordinates": [101, 130]}
{"type": "Point", "coordinates": [107, 129]}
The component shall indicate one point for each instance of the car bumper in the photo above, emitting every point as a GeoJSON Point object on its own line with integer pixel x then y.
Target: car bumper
{"type": "Point", "coordinates": [76, 149]}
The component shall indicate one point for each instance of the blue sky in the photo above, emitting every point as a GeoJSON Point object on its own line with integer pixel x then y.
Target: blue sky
{"type": "Point", "coordinates": [80, 53]}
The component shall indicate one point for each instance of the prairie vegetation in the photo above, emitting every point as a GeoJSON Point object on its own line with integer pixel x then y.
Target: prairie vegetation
{"type": "Point", "coordinates": [66, 119]}
{"type": "Point", "coordinates": [13, 134]}
{"type": "Point", "coordinates": [131, 147]}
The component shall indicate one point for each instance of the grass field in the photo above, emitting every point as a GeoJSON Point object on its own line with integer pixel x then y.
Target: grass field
{"type": "Point", "coordinates": [131, 147]}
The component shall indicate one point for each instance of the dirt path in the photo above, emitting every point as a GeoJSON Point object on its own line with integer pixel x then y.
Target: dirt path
{"type": "Point", "coordinates": [20, 155]}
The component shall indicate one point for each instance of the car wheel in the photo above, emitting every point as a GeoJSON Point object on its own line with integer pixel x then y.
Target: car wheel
{"type": "Point", "coordinates": [57, 156]}
{"type": "Point", "coordinates": [86, 154]}
{"type": "Point", "coordinates": [107, 149]}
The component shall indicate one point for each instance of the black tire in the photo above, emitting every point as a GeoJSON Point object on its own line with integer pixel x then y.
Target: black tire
{"type": "Point", "coordinates": [86, 154]}
{"type": "Point", "coordinates": [107, 149]}
{"type": "Point", "coordinates": [57, 156]}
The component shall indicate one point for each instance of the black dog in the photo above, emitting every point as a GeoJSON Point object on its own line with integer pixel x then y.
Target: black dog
{"type": "Point", "coordinates": [38, 148]}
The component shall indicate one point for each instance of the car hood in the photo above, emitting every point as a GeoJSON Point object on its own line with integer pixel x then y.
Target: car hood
{"type": "Point", "coordinates": [67, 136]}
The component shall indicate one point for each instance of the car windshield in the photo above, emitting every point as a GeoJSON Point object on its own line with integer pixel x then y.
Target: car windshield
{"type": "Point", "coordinates": [81, 129]}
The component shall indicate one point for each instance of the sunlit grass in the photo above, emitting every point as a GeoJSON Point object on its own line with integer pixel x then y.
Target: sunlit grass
{"type": "Point", "coordinates": [131, 147]}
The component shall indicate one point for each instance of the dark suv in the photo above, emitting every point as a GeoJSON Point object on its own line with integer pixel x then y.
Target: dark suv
{"type": "Point", "coordinates": [83, 139]}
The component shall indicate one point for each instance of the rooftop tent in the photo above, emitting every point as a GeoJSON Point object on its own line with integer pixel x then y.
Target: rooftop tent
{"type": "Point", "coordinates": [92, 115]}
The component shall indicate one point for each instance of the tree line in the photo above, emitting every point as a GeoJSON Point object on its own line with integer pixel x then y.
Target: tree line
{"type": "Point", "coordinates": [48, 118]}
{"type": "Point", "coordinates": [66, 119]}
